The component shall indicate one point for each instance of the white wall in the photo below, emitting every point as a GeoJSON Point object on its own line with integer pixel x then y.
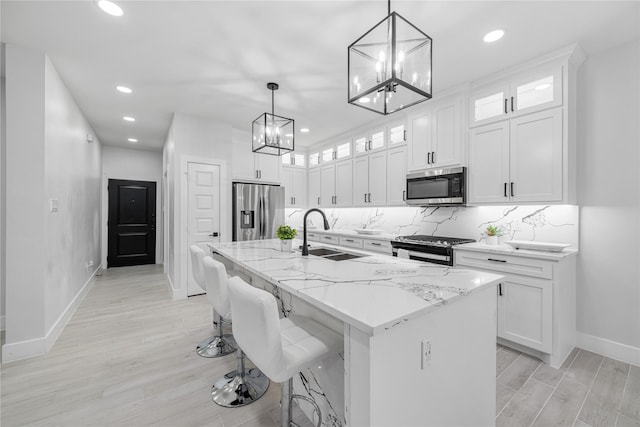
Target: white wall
{"type": "Point", "coordinates": [191, 137]}
{"type": "Point", "coordinates": [608, 305]}
{"type": "Point", "coordinates": [136, 165]}
{"type": "Point", "coordinates": [47, 252]}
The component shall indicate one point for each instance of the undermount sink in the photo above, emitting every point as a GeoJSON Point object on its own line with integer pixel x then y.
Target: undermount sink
{"type": "Point", "coordinates": [323, 252]}
{"type": "Point", "coordinates": [333, 254]}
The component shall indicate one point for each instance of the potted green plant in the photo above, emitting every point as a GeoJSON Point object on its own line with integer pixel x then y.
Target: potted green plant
{"type": "Point", "coordinates": [492, 233]}
{"type": "Point", "coordinates": [286, 234]}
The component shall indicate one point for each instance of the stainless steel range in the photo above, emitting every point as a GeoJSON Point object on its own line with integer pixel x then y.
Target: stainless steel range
{"type": "Point", "coordinates": [435, 249]}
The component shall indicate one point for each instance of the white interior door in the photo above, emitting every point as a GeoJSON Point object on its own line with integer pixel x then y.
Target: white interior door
{"type": "Point", "coordinates": [203, 212]}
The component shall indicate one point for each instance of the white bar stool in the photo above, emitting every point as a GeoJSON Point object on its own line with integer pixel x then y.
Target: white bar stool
{"type": "Point", "coordinates": [279, 347]}
{"type": "Point", "coordinates": [242, 386]}
{"type": "Point", "coordinates": [217, 345]}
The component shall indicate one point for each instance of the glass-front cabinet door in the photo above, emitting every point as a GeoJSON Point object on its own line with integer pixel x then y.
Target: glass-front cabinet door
{"type": "Point", "coordinates": [536, 91]}
{"type": "Point", "coordinates": [525, 93]}
{"type": "Point", "coordinates": [490, 104]}
{"type": "Point", "coordinates": [343, 150]}
{"type": "Point", "coordinates": [397, 135]}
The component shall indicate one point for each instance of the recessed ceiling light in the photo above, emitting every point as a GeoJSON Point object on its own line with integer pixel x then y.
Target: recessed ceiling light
{"type": "Point", "coordinates": [128, 119]}
{"type": "Point", "coordinates": [304, 130]}
{"type": "Point", "coordinates": [132, 140]}
{"type": "Point", "coordinates": [124, 89]}
{"type": "Point", "coordinates": [110, 7]}
{"type": "Point", "coordinates": [364, 100]}
{"type": "Point", "coordinates": [493, 36]}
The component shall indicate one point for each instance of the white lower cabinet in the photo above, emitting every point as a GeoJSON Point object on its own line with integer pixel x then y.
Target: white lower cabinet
{"type": "Point", "coordinates": [524, 312]}
{"type": "Point", "coordinates": [536, 301]}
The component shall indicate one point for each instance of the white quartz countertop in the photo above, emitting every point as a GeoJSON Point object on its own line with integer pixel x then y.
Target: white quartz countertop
{"type": "Point", "coordinates": [505, 249]}
{"type": "Point", "coordinates": [373, 293]}
{"type": "Point", "coordinates": [349, 233]}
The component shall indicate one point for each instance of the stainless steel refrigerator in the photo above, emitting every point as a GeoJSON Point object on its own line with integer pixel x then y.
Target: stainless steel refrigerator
{"type": "Point", "coordinates": [258, 210]}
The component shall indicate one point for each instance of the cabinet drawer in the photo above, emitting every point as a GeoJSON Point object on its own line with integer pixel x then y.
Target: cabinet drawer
{"type": "Point", "coordinates": [314, 237]}
{"type": "Point", "coordinates": [351, 242]}
{"type": "Point", "coordinates": [326, 238]}
{"type": "Point", "coordinates": [504, 264]}
{"type": "Point", "coordinates": [383, 246]}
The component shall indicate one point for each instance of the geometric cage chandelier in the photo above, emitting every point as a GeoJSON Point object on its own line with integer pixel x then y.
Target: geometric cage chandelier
{"type": "Point", "coordinates": [273, 134]}
{"type": "Point", "coordinates": [389, 67]}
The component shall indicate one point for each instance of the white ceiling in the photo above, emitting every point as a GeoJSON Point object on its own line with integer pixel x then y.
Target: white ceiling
{"type": "Point", "coordinates": [214, 58]}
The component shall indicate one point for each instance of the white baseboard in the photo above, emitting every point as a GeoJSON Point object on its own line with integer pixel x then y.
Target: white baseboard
{"type": "Point", "coordinates": [176, 293]}
{"type": "Point", "coordinates": [2, 323]}
{"type": "Point", "coordinates": [40, 346]}
{"type": "Point", "coordinates": [614, 350]}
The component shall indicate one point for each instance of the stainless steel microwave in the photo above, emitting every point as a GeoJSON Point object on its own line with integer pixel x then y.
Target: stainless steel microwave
{"type": "Point", "coordinates": [437, 187]}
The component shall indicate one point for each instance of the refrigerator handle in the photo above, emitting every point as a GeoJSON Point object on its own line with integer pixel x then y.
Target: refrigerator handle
{"type": "Point", "coordinates": [262, 218]}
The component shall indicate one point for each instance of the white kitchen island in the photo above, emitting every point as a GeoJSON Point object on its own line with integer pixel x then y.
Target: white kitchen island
{"type": "Point", "coordinates": [391, 312]}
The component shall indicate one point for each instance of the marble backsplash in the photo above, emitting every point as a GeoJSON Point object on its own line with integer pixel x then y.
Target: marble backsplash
{"type": "Point", "coordinates": [557, 223]}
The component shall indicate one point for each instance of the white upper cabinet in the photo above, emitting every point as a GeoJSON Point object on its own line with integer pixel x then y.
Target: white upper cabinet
{"type": "Point", "coordinates": [344, 183]}
{"type": "Point", "coordinates": [250, 166]}
{"type": "Point", "coordinates": [525, 93]}
{"type": "Point", "coordinates": [396, 175]}
{"type": "Point", "coordinates": [435, 135]}
{"type": "Point", "coordinates": [313, 178]}
{"type": "Point", "coordinates": [488, 174]}
{"type": "Point", "coordinates": [370, 180]}
{"type": "Point", "coordinates": [328, 185]}
{"type": "Point", "coordinates": [294, 181]}
{"type": "Point", "coordinates": [518, 160]}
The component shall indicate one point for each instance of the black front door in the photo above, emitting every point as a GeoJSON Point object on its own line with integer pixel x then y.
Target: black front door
{"type": "Point", "coordinates": [132, 223]}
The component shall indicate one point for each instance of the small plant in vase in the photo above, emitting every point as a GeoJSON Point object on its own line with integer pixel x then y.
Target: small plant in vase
{"type": "Point", "coordinates": [286, 234]}
{"type": "Point", "coordinates": [492, 232]}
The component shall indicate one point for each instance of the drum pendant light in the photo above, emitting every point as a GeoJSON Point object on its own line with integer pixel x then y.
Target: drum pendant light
{"type": "Point", "coordinates": [273, 134]}
{"type": "Point", "coordinates": [389, 67]}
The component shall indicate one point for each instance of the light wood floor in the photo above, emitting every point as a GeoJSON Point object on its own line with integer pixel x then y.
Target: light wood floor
{"type": "Point", "coordinates": [127, 359]}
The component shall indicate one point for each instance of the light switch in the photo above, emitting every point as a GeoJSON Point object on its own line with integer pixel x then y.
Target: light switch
{"type": "Point", "coordinates": [53, 205]}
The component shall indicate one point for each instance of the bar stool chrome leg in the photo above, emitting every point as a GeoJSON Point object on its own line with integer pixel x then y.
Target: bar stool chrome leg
{"type": "Point", "coordinates": [286, 410]}
{"type": "Point", "coordinates": [217, 345]}
{"type": "Point", "coordinates": [240, 387]}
